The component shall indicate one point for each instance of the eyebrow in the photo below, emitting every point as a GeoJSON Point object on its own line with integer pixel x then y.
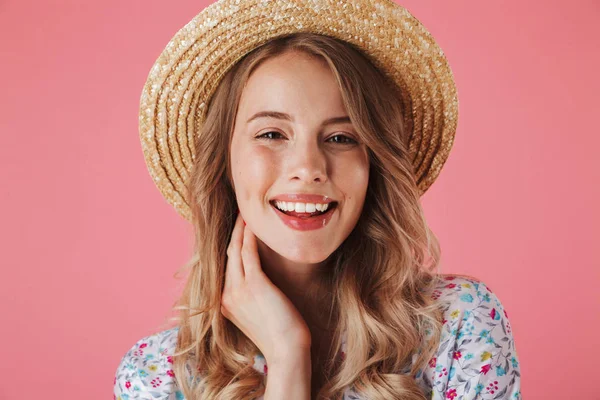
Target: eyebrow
{"type": "Point", "coordinates": [287, 117]}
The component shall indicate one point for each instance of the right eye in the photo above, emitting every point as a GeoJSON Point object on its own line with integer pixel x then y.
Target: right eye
{"type": "Point", "coordinates": [271, 134]}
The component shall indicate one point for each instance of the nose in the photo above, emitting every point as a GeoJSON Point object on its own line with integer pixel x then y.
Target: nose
{"type": "Point", "coordinates": [307, 162]}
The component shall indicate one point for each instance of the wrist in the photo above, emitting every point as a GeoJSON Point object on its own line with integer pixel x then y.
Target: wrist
{"type": "Point", "coordinates": [289, 357]}
{"type": "Point", "coordinates": [286, 352]}
{"type": "Point", "coordinates": [289, 376]}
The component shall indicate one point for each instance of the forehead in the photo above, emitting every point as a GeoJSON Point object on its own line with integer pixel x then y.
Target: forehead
{"type": "Point", "coordinates": [293, 82]}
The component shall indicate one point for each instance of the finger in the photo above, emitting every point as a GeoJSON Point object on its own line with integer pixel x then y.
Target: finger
{"type": "Point", "coordinates": [250, 257]}
{"type": "Point", "coordinates": [234, 271]}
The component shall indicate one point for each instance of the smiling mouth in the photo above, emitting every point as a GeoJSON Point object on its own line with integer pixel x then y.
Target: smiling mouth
{"type": "Point", "coordinates": [306, 215]}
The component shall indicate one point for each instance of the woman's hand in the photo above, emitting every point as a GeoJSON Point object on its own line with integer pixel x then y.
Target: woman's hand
{"type": "Point", "coordinates": [256, 306]}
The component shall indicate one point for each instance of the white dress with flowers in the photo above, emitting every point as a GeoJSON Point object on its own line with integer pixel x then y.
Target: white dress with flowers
{"type": "Point", "coordinates": [476, 357]}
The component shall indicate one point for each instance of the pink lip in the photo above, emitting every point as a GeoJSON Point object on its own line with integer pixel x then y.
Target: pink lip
{"type": "Point", "coordinates": [308, 224]}
{"type": "Point", "coordinates": [311, 198]}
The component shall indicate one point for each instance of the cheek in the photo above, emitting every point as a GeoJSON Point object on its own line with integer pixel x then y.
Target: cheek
{"type": "Point", "coordinates": [254, 170]}
{"type": "Point", "coordinates": [354, 179]}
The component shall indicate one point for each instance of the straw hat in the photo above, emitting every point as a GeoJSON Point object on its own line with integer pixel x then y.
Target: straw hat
{"type": "Point", "coordinates": [185, 75]}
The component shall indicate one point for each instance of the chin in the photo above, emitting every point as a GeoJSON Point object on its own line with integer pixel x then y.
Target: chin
{"type": "Point", "coordinates": [312, 259]}
{"type": "Point", "coordinates": [304, 254]}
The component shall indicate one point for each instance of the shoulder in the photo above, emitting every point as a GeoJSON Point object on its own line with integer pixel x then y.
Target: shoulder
{"type": "Point", "coordinates": [145, 371]}
{"type": "Point", "coordinates": [463, 293]}
{"type": "Point", "coordinates": [476, 353]}
{"type": "Point", "coordinates": [471, 308]}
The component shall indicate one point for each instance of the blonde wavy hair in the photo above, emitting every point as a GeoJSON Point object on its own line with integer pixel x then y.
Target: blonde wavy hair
{"type": "Point", "coordinates": [381, 277]}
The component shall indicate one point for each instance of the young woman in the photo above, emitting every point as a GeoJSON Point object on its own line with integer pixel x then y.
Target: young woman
{"type": "Point", "coordinates": [314, 275]}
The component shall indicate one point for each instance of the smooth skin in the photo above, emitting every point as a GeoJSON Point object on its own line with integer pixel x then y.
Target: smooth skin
{"type": "Point", "coordinates": [264, 314]}
{"type": "Point", "coordinates": [271, 267]}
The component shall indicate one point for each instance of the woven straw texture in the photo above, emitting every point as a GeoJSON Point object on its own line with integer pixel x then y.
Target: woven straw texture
{"type": "Point", "coordinates": [185, 75]}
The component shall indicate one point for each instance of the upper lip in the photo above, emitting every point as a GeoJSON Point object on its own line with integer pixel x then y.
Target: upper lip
{"type": "Point", "coordinates": [302, 197]}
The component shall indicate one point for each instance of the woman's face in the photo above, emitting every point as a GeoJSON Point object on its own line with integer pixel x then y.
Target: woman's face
{"type": "Point", "coordinates": [296, 153]}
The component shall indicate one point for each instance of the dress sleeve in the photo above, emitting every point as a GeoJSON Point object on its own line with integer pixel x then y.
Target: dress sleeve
{"type": "Point", "coordinates": [128, 384]}
{"type": "Point", "coordinates": [145, 371]}
{"type": "Point", "coordinates": [477, 357]}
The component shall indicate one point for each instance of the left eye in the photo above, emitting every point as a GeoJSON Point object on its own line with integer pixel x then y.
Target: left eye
{"type": "Point", "coordinates": [343, 139]}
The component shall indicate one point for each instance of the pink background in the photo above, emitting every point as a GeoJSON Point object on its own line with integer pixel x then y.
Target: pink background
{"type": "Point", "coordinates": [90, 246]}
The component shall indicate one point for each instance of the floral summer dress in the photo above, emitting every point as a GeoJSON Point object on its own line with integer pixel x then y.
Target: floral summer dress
{"type": "Point", "coordinates": [476, 357]}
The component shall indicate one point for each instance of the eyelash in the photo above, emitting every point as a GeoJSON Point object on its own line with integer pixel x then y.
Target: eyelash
{"type": "Point", "coordinates": [352, 141]}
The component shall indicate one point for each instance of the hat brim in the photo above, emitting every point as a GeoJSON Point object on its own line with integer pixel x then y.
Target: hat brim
{"type": "Point", "coordinates": [185, 75]}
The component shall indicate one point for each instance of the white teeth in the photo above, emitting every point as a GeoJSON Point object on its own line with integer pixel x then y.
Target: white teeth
{"type": "Point", "coordinates": [301, 207]}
